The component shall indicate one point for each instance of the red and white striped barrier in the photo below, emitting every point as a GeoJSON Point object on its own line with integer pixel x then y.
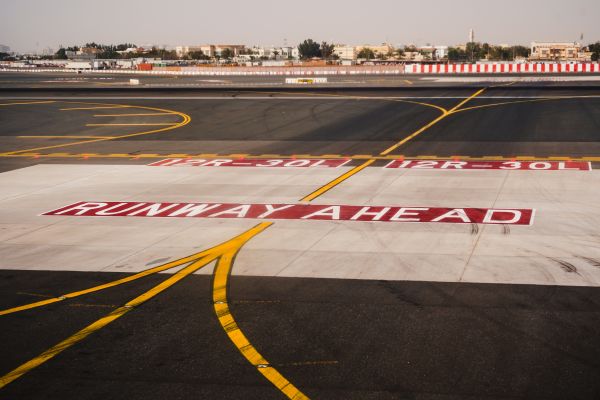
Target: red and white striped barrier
{"type": "Point", "coordinates": [503, 68]}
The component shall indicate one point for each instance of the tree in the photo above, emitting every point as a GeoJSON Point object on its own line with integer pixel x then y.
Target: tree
{"type": "Point", "coordinates": [275, 54]}
{"type": "Point", "coordinates": [327, 50]}
{"type": "Point", "coordinates": [197, 55]}
{"type": "Point", "coordinates": [226, 53]}
{"type": "Point", "coordinates": [456, 54]}
{"type": "Point", "coordinates": [125, 46]}
{"type": "Point", "coordinates": [309, 49]}
{"type": "Point", "coordinates": [366, 52]}
{"type": "Point", "coordinates": [594, 48]}
{"type": "Point", "coordinates": [61, 54]}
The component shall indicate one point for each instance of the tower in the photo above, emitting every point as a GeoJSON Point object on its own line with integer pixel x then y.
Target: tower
{"type": "Point", "coordinates": [471, 35]}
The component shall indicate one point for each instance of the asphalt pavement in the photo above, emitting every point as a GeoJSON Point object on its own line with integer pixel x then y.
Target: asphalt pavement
{"type": "Point", "coordinates": [339, 309]}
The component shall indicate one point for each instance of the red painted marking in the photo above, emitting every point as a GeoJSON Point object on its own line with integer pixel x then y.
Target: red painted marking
{"type": "Point", "coordinates": [505, 165]}
{"type": "Point", "coordinates": [251, 162]}
{"type": "Point", "coordinates": [299, 212]}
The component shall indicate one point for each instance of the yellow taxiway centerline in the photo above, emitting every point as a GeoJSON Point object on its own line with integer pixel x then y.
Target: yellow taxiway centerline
{"type": "Point", "coordinates": [208, 256]}
{"type": "Point", "coordinates": [220, 300]}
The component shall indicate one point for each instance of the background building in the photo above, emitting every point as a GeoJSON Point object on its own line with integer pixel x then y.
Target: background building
{"type": "Point", "coordinates": [558, 51]}
{"type": "Point", "coordinates": [345, 52]}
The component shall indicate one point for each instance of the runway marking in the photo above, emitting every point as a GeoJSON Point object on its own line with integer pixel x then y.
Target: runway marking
{"type": "Point", "coordinates": [26, 103]}
{"type": "Point", "coordinates": [336, 181]}
{"type": "Point", "coordinates": [94, 108]}
{"type": "Point", "coordinates": [308, 212]}
{"type": "Point", "coordinates": [127, 279]}
{"type": "Point", "coordinates": [131, 115]}
{"type": "Point", "coordinates": [314, 96]}
{"type": "Point", "coordinates": [347, 97]}
{"type": "Point", "coordinates": [252, 162]}
{"type": "Point", "coordinates": [185, 120]}
{"type": "Point", "coordinates": [303, 156]}
{"type": "Point", "coordinates": [237, 337]}
{"type": "Point", "coordinates": [490, 165]}
{"type": "Point", "coordinates": [134, 124]}
{"type": "Point", "coordinates": [429, 125]}
{"type": "Point", "coordinates": [63, 137]}
{"type": "Point", "coordinates": [227, 248]}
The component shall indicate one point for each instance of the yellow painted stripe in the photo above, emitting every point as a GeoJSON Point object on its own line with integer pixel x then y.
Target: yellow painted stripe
{"type": "Point", "coordinates": [130, 278]}
{"type": "Point", "coordinates": [141, 124]}
{"type": "Point", "coordinates": [185, 120]}
{"type": "Point", "coordinates": [266, 156]}
{"type": "Point", "coordinates": [94, 108]}
{"type": "Point", "coordinates": [101, 323]}
{"type": "Point", "coordinates": [432, 123]}
{"type": "Point", "coordinates": [237, 337]}
{"type": "Point", "coordinates": [26, 102]}
{"type": "Point", "coordinates": [131, 115]}
{"type": "Point", "coordinates": [336, 181]}
{"type": "Point", "coordinates": [465, 101]}
{"type": "Point", "coordinates": [231, 246]}
{"type": "Point", "coordinates": [63, 137]}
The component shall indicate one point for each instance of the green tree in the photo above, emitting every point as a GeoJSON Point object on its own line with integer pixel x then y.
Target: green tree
{"type": "Point", "coordinates": [227, 53]}
{"type": "Point", "coordinates": [309, 49]}
{"type": "Point", "coordinates": [595, 49]}
{"type": "Point", "coordinates": [456, 54]}
{"type": "Point", "coordinates": [125, 46]}
{"type": "Point", "coordinates": [61, 54]}
{"type": "Point", "coordinates": [197, 55]}
{"type": "Point", "coordinates": [366, 52]}
{"type": "Point", "coordinates": [327, 50]}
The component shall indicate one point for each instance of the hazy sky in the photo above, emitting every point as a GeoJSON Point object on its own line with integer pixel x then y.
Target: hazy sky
{"type": "Point", "coordinates": [28, 25]}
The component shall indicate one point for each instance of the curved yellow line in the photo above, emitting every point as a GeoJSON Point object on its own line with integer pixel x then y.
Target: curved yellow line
{"type": "Point", "coordinates": [202, 259]}
{"type": "Point", "coordinates": [442, 109]}
{"type": "Point", "coordinates": [220, 283]}
{"type": "Point", "coordinates": [185, 120]}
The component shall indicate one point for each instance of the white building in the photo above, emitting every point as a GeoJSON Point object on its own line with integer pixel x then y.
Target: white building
{"type": "Point", "coordinates": [345, 52]}
{"type": "Point", "coordinates": [441, 51]}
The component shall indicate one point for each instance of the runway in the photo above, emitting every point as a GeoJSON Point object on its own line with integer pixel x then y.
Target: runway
{"type": "Point", "coordinates": [405, 242]}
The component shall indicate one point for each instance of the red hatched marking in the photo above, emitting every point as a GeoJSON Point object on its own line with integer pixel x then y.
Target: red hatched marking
{"type": "Point", "coordinates": [299, 212]}
{"type": "Point", "coordinates": [251, 162]}
{"type": "Point", "coordinates": [502, 165]}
